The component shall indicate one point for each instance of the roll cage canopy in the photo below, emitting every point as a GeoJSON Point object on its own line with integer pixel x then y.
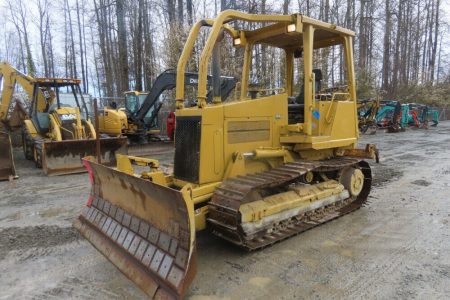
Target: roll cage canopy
{"type": "Point", "coordinates": [293, 33]}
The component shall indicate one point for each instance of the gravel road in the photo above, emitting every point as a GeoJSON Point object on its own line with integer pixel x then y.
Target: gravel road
{"type": "Point", "coordinates": [397, 246]}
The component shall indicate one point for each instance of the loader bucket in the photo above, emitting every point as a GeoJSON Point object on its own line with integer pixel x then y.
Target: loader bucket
{"type": "Point", "coordinates": [64, 157]}
{"type": "Point", "coordinates": [7, 169]}
{"type": "Point", "coordinates": [145, 229]}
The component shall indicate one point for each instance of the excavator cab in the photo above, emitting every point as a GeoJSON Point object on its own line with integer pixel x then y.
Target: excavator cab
{"type": "Point", "coordinates": [243, 168]}
{"type": "Point", "coordinates": [134, 100]}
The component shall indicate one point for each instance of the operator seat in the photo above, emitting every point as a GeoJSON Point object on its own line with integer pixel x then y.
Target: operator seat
{"type": "Point", "coordinates": [296, 105]}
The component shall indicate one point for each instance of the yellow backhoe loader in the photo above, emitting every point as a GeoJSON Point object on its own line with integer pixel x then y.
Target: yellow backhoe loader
{"type": "Point", "coordinates": [255, 171]}
{"type": "Point", "coordinates": [57, 132]}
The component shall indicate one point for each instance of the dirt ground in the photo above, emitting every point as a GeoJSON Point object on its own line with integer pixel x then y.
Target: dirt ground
{"type": "Point", "coordinates": [397, 246]}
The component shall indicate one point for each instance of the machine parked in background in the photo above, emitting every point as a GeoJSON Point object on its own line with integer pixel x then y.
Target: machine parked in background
{"type": "Point", "coordinates": [242, 168]}
{"type": "Point", "coordinates": [367, 113]}
{"type": "Point", "coordinates": [142, 108]}
{"type": "Point", "coordinates": [392, 115]}
{"type": "Point", "coordinates": [11, 118]}
{"type": "Point", "coordinates": [57, 132]}
{"type": "Point", "coordinates": [421, 115]}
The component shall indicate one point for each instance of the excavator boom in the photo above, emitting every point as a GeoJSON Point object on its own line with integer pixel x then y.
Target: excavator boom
{"type": "Point", "coordinates": [167, 81]}
{"type": "Point", "coordinates": [8, 79]}
{"type": "Point", "coordinates": [144, 118]}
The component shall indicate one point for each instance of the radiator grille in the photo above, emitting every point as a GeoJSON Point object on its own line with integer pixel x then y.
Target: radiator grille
{"type": "Point", "coordinates": [187, 148]}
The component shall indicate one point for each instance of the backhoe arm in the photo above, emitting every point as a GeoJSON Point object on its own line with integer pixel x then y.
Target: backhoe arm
{"type": "Point", "coordinates": [10, 76]}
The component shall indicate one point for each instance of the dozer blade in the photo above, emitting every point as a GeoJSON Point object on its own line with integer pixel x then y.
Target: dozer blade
{"type": "Point", "coordinates": [7, 169]}
{"type": "Point", "coordinates": [146, 230]}
{"type": "Point", "coordinates": [64, 157]}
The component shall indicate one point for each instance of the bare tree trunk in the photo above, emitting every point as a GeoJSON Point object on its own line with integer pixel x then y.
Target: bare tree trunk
{"type": "Point", "coordinates": [19, 18]}
{"type": "Point", "coordinates": [83, 75]}
{"type": "Point", "coordinates": [15, 20]}
{"type": "Point", "coordinates": [396, 68]}
{"type": "Point", "coordinates": [434, 47]}
{"type": "Point", "coordinates": [101, 25]}
{"type": "Point", "coordinates": [439, 61]}
{"type": "Point", "coordinates": [148, 57]}
{"type": "Point", "coordinates": [42, 10]}
{"type": "Point", "coordinates": [122, 43]}
{"type": "Point", "coordinates": [386, 47]}
{"type": "Point", "coordinates": [85, 52]}
{"type": "Point", "coordinates": [264, 50]}
{"type": "Point", "coordinates": [362, 36]}
{"type": "Point", "coordinates": [50, 50]}
{"type": "Point", "coordinates": [180, 13]}
{"type": "Point", "coordinates": [171, 11]}
{"type": "Point", "coordinates": [189, 9]}
{"type": "Point", "coordinates": [425, 48]}
{"type": "Point", "coordinates": [74, 72]}
{"type": "Point", "coordinates": [138, 50]}
{"type": "Point", "coordinates": [286, 7]}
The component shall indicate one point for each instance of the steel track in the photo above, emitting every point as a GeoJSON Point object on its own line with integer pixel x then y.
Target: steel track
{"type": "Point", "coordinates": [225, 219]}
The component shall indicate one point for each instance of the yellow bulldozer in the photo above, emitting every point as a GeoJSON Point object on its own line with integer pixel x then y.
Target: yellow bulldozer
{"type": "Point", "coordinates": [247, 169]}
{"type": "Point", "coordinates": [57, 132]}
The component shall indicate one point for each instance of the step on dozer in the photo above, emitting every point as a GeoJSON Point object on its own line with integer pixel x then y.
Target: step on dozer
{"type": "Point", "coordinates": [255, 171]}
{"type": "Point", "coordinates": [7, 168]}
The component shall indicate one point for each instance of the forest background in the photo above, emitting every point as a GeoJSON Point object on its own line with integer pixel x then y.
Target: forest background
{"type": "Point", "coordinates": [401, 46]}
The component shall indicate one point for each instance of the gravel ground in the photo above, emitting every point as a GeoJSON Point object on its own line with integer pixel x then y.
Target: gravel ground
{"type": "Point", "coordinates": [397, 246]}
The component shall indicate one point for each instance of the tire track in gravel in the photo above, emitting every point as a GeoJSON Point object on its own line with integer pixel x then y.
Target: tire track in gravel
{"type": "Point", "coordinates": [358, 288]}
{"type": "Point", "coordinates": [20, 239]}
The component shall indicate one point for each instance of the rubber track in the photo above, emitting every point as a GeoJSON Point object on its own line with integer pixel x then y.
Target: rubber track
{"type": "Point", "coordinates": [224, 216]}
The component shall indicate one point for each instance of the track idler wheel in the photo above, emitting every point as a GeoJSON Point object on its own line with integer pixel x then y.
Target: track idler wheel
{"type": "Point", "coordinates": [353, 180]}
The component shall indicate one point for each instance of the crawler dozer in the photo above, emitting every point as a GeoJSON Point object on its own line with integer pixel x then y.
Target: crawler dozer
{"type": "Point", "coordinates": [57, 132]}
{"type": "Point", "coordinates": [242, 169]}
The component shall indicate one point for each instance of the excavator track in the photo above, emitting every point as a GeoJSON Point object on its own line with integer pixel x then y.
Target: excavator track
{"type": "Point", "coordinates": [225, 217]}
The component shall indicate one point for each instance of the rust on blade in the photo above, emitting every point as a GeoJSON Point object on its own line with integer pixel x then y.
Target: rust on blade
{"type": "Point", "coordinates": [65, 157]}
{"type": "Point", "coordinates": [7, 168]}
{"type": "Point", "coordinates": [146, 230]}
